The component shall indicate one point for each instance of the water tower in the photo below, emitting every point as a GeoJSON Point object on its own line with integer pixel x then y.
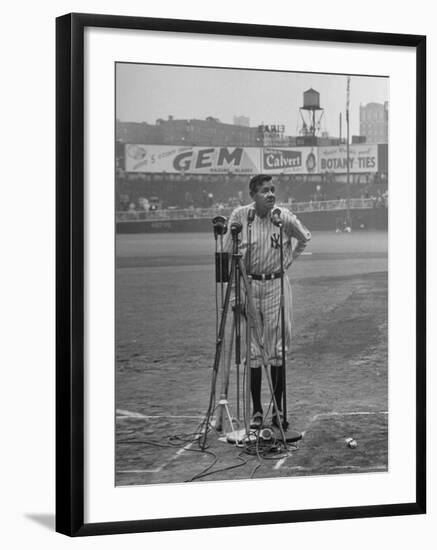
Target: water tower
{"type": "Point", "coordinates": [311, 113]}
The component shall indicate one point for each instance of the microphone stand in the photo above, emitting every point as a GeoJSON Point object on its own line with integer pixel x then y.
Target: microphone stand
{"type": "Point", "coordinates": [292, 435]}
{"type": "Point", "coordinates": [237, 326]}
{"type": "Point", "coordinates": [282, 305]}
{"type": "Point", "coordinates": [250, 219]}
{"type": "Point", "coordinates": [223, 403]}
{"type": "Point", "coordinates": [276, 220]}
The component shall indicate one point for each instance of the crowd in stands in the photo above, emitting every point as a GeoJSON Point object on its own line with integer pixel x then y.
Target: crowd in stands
{"type": "Point", "coordinates": [148, 192]}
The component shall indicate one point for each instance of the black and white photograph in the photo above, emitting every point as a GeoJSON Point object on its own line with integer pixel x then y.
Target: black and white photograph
{"type": "Point", "coordinates": [215, 275]}
{"type": "Point", "coordinates": [251, 274]}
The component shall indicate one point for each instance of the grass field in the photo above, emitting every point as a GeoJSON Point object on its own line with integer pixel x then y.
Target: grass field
{"type": "Point", "coordinates": [165, 344]}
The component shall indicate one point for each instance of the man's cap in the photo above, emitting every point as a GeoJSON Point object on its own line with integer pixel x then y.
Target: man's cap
{"type": "Point", "coordinates": [257, 181]}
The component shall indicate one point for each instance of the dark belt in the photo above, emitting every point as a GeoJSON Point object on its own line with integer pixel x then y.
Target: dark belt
{"type": "Point", "coordinates": [266, 276]}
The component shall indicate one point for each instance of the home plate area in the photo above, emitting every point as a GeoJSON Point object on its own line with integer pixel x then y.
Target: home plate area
{"type": "Point", "coordinates": [166, 449]}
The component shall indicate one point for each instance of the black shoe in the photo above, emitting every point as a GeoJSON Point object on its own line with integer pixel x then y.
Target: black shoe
{"type": "Point", "coordinates": [276, 419]}
{"type": "Point", "coordinates": [256, 421]}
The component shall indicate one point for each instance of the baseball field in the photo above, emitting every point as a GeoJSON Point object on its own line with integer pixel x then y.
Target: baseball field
{"type": "Point", "coordinates": [337, 378]}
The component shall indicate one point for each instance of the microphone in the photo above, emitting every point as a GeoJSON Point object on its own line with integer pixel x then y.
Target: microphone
{"type": "Point", "coordinates": [276, 217]}
{"type": "Point", "coordinates": [236, 228]}
{"type": "Point", "coordinates": [251, 215]}
{"type": "Point", "coordinates": [220, 225]}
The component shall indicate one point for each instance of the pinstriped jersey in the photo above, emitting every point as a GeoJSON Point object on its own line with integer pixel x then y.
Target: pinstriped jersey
{"type": "Point", "coordinates": [264, 254]}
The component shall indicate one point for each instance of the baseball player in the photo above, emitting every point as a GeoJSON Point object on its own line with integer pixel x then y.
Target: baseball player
{"type": "Point", "coordinates": [264, 268]}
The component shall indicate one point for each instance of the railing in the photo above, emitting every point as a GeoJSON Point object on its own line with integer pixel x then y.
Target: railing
{"type": "Point", "coordinates": [190, 213]}
{"type": "Point", "coordinates": [341, 204]}
{"type": "Point", "coordinates": [172, 214]}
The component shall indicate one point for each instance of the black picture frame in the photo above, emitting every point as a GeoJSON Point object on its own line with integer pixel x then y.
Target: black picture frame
{"type": "Point", "coordinates": [70, 488]}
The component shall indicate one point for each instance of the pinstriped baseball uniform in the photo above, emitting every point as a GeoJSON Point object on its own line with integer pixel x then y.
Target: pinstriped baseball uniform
{"type": "Point", "coordinates": [264, 258]}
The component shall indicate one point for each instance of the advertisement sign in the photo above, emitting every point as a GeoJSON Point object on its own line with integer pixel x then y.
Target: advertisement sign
{"type": "Point", "coordinates": [192, 160]}
{"type": "Point", "coordinates": [286, 160]}
{"type": "Point", "coordinates": [250, 160]}
{"type": "Point", "coordinates": [362, 159]}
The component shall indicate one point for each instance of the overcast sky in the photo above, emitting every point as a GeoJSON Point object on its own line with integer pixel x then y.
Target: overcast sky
{"type": "Point", "coordinates": [148, 92]}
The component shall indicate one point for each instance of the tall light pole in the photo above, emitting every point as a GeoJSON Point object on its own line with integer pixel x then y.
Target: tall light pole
{"type": "Point", "coordinates": [348, 191]}
{"type": "Point", "coordinates": [339, 129]}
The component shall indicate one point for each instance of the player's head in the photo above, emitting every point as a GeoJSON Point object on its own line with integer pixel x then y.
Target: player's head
{"type": "Point", "coordinates": [256, 182]}
{"type": "Point", "coordinates": [262, 192]}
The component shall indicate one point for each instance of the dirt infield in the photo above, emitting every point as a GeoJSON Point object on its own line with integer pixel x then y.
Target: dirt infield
{"type": "Point", "coordinates": [336, 372]}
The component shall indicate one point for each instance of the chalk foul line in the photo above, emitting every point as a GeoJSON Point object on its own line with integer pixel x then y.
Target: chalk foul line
{"type": "Point", "coordinates": [129, 414]}
{"type": "Point", "coordinates": [346, 413]}
{"type": "Point", "coordinates": [164, 464]}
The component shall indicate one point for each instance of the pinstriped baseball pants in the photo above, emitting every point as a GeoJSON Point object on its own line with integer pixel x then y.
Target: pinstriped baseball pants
{"type": "Point", "coordinates": [267, 301]}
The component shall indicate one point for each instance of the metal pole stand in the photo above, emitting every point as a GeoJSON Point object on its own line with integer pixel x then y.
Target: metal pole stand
{"type": "Point", "coordinates": [223, 406]}
{"type": "Point", "coordinates": [291, 435]}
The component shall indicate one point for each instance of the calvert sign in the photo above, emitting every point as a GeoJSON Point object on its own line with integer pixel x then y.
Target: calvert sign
{"type": "Point", "coordinates": [284, 160]}
{"type": "Point", "coordinates": [362, 158]}
{"type": "Point", "coordinates": [193, 160]}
